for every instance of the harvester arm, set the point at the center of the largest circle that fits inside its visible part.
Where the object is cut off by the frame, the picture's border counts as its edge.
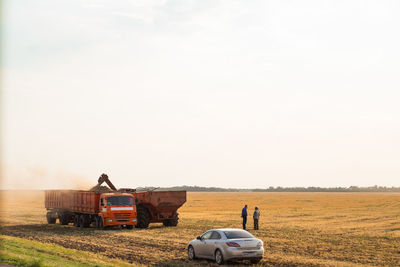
(104, 178)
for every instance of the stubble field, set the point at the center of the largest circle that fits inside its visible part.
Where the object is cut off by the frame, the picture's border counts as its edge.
(298, 229)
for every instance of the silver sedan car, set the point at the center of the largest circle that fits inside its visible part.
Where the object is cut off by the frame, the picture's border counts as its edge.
(226, 244)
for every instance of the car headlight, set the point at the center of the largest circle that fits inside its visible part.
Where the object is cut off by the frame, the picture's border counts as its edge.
(259, 244)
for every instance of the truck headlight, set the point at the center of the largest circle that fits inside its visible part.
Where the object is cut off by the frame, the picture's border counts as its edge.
(133, 220)
(109, 220)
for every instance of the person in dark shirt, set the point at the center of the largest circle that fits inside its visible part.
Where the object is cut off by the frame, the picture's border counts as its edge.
(244, 216)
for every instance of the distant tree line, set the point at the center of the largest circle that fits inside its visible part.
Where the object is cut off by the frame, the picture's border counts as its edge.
(275, 189)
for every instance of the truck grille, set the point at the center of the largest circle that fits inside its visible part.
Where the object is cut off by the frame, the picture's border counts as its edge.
(122, 216)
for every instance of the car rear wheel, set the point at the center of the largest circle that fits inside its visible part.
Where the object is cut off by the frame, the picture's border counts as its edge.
(191, 254)
(255, 261)
(219, 258)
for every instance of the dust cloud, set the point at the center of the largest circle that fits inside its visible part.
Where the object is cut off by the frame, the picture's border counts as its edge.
(39, 178)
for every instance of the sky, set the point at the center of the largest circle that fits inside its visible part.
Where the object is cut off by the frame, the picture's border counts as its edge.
(240, 94)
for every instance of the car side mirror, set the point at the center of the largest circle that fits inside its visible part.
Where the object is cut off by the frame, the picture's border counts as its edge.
(198, 238)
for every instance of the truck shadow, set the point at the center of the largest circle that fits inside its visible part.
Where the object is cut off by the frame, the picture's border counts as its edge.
(52, 229)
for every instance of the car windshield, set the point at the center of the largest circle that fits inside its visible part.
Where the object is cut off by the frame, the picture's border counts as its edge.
(121, 200)
(237, 234)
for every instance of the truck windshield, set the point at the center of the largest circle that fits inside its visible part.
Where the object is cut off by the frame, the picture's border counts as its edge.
(121, 200)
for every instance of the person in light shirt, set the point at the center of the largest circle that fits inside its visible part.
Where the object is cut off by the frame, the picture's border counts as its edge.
(256, 217)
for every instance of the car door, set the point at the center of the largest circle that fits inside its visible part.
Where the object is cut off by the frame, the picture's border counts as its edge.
(201, 248)
(211, 244)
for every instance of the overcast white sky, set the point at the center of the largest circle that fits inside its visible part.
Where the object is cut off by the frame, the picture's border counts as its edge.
(211, 93)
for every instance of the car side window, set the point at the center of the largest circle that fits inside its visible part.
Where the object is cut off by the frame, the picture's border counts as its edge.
(206, 235)
(215, 235)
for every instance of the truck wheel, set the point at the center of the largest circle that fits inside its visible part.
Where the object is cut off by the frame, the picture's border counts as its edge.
(101, 224)
(96, 222)
(76, 220)
(50, 218)
(129, 227)
(81, 221)
(84, 221)
(88, 221)
(143, 217)
(63, 218)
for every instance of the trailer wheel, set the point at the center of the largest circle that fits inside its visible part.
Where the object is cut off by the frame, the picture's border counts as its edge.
(173, 221)
(143, 217)
(76, 220)
(50, 218)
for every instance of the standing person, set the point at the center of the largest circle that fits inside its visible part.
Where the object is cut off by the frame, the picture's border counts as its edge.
(256, 216)
(244, 216)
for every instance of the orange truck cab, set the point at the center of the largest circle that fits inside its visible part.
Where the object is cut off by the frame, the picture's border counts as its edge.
(117, 209)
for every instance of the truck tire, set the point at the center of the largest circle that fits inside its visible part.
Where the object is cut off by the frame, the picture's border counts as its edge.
(143, 217)
(84, 221)
(99, 223)
(63, 218)
(173, 221)
(76, 220)
(88, 220)
(50, 218)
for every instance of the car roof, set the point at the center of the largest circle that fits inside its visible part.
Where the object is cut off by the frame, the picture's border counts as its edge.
(227, 229)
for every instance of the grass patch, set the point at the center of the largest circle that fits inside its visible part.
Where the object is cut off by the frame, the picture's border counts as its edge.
(21, 252)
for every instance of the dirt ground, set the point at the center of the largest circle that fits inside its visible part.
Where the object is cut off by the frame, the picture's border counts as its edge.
(314, 229)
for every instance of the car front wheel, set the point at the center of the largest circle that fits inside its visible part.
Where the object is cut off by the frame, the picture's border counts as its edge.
(219, 258)
(191, 253)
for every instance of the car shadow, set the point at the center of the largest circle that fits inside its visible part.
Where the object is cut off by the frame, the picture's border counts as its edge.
(203, 262)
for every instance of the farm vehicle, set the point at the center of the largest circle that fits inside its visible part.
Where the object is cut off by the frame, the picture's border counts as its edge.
(84, 208)
(106, 206)
(153, 206)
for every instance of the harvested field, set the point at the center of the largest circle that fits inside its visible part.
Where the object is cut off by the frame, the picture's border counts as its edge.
(314, 229)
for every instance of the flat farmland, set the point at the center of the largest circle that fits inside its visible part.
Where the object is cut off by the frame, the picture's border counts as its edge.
(298, 229)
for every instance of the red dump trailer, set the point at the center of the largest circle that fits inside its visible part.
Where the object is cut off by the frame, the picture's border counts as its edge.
(83, 208)
(158, 206)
